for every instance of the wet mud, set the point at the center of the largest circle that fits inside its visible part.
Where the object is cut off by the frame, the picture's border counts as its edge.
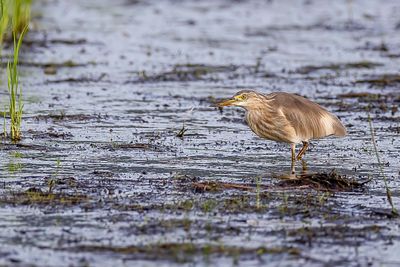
(125, 160)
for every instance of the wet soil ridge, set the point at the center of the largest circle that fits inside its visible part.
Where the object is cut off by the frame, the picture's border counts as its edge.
(339, 67)
(188, 72)
(187, 252)
(35, 196)
(381, 80)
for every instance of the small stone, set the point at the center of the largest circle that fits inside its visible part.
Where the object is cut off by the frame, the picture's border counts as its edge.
(50, 70)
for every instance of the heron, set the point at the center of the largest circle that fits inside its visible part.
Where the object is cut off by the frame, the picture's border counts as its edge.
(286, 117)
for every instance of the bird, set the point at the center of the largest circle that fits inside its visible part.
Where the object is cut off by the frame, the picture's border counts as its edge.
(286, 117)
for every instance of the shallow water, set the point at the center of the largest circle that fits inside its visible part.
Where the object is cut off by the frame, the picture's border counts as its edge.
(100, 134)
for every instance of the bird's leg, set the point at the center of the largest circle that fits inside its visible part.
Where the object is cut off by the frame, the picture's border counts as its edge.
(302, 151)
(293, 148)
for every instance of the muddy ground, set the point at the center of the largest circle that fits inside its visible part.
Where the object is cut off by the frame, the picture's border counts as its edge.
(102, 179)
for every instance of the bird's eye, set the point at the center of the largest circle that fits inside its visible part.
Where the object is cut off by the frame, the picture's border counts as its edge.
(240, 97)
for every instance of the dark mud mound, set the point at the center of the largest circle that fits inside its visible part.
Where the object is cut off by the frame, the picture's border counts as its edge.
(323, 181)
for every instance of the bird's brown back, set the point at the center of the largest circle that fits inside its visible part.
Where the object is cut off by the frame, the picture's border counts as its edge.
(291, 118)
(309, 119)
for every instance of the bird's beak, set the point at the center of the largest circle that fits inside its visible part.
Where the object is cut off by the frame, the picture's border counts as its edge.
(227, 102)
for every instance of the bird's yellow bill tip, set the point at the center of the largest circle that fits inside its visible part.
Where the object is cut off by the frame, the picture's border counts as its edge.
(226, 102)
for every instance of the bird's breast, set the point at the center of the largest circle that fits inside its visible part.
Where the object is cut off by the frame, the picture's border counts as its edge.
(270, 125)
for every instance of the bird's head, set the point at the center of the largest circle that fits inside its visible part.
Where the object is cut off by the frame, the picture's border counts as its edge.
(245, 99)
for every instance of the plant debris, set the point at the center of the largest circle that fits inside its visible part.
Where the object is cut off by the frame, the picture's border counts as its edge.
(181, 132)
(324, 181)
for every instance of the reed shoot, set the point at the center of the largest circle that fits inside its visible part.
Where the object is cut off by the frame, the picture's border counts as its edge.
(388, 192)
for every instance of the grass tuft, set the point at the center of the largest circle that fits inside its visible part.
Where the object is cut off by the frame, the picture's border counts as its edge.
(4, 20)
(14, 18)
(15, 92)
(21, 14)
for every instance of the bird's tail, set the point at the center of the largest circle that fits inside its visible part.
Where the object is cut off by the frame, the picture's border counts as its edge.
(339, 128)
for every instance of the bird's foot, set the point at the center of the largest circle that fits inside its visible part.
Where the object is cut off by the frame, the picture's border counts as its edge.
(288, 176)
